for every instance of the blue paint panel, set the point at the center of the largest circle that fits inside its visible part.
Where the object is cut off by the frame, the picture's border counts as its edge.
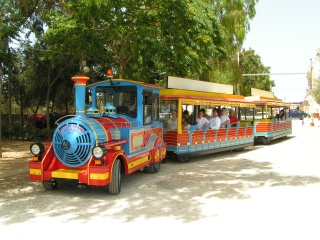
(182, 149)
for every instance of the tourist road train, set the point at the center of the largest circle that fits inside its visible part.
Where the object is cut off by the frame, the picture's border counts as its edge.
(121, 126)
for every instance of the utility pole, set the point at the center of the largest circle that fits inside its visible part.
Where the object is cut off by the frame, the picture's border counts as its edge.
(238, 84)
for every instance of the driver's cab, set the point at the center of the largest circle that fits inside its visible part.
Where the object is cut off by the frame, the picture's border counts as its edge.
(135, 101)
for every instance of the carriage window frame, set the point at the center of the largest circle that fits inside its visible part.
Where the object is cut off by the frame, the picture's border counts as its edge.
(156, 106)
(166, 107)
(147, 107)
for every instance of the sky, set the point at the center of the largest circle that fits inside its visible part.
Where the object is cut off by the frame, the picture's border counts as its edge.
(286, 35)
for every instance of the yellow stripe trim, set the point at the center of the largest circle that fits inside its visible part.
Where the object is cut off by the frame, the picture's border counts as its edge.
(67, 173)
(138, 162)
(34, 171)
(99, 176)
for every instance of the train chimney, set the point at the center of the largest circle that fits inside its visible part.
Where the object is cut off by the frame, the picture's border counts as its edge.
(80, 83)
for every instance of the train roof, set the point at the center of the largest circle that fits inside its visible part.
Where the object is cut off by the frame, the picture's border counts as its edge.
(189, 96)
(261, 100)
(263, 97)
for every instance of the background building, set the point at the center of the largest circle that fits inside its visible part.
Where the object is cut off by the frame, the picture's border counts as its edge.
(313, 75)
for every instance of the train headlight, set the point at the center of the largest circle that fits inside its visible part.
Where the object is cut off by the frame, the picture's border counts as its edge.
(99, 151)
(37, 149)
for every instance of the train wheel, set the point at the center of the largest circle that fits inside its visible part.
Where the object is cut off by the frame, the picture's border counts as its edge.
(265, 141)
(153, 168)
(49, 185)
(239, 149)
(184, 159)
(115, 185)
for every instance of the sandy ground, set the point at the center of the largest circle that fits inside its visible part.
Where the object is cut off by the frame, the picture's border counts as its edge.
(264, 192)
(15, 156)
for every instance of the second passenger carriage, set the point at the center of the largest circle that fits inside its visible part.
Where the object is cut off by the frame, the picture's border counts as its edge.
(270, 120)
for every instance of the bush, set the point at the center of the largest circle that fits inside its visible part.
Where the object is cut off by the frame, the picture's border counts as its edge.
(27, 132)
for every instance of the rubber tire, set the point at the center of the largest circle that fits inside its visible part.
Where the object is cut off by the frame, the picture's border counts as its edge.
(49, 185)
(265, 141)
(237, 150)
(184, 159)
(153, 168)
(115, 185)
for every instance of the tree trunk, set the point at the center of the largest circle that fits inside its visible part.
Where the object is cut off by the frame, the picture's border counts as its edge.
(9, 100)
(48, 98)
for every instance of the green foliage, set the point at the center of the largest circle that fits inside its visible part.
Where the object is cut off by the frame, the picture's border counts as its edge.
(140, 40)
(29, 133)
(235, 16)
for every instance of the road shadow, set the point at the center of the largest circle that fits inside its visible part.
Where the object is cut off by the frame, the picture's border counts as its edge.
(178, 191)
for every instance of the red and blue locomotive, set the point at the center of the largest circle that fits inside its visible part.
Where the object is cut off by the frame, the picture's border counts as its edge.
(116, 132)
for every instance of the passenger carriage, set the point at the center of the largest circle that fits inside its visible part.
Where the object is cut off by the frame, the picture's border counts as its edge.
(192, 95)
(267, 125)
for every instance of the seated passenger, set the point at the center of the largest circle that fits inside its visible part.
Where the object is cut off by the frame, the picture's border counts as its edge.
(233, 119)
(281, 116)
(147, 116)
(122, 110)
(173, 122)
(148, 119)
(201, 120)
(133, 108)
(215, 121)
(186, 121)
(224, 118)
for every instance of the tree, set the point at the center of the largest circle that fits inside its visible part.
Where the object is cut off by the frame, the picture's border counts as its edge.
(250, 62)
(142, 38)
(234, 16)
(19, 19)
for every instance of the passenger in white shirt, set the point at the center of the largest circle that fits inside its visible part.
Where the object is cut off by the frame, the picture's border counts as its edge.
(215, 122)
(173, 122)
(201, 120)
(224, 118)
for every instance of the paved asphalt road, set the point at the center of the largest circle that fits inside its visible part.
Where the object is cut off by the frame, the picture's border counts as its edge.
(264, 192)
